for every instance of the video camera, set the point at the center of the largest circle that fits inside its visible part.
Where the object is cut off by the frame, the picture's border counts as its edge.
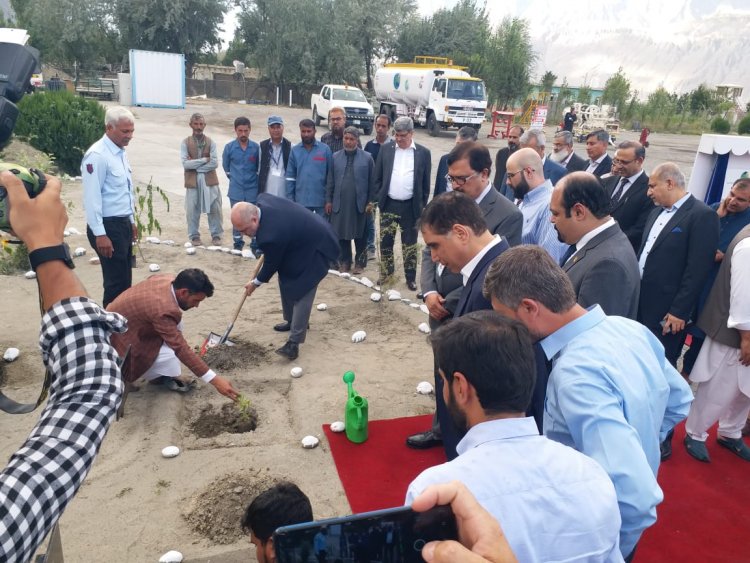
(17, 64)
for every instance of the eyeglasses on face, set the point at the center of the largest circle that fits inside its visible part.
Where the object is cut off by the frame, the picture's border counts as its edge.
(459, 180)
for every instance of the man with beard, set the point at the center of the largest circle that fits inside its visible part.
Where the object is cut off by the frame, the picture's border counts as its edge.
(563, 153)
(199, 159)
(533, 193)
(307, 171)
(535, 139)
(501, 159)
(154, 309)
(611, 393)
(335, 137)
(274, 157)
(487, 365)
(240, 161)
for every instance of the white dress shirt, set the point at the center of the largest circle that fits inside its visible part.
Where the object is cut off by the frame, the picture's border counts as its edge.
(467, 270)
(402, 177)
(594, 164)
(591, 234)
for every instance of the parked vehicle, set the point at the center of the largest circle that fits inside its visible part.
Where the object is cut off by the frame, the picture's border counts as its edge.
(359, 112)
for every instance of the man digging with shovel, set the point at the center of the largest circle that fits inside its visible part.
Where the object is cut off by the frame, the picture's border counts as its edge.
(154, 311)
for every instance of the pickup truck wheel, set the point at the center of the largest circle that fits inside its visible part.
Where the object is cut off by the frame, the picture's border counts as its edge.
(432, 125)
(316, 117)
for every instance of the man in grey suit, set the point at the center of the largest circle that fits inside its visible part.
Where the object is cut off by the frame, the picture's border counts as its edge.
(469, 169)
(535, 139)
(563, 153)
(401, 188)
(600, 262)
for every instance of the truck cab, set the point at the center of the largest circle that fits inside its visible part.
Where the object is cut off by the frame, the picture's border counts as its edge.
(359, 112)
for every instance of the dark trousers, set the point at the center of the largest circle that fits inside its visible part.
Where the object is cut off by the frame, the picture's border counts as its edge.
(398, 215)
(237, 237)
(117, 275)
(360, 249)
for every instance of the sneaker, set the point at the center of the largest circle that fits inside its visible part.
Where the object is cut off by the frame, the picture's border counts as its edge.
(216, 241)
(196, 242)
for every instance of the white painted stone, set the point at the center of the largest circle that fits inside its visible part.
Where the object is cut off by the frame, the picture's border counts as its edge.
(425, 388)
(168, 242)
(190, 250)
(359, 336)
(296, 372)
(80, 251)
(11, 354)
(153, 240)
(171, 557)
(235, 252)
(424, 309)
(367, 282)
(393, 295)
(338, 426)
(322, 307)
(345, 275)
(154, 267)
(414, 305)
(30, 275)
(424, 327)
(188, 245)
(74, 231)
(170, 451)
(66, 233)
(354, 279)
(247, 253)
(95, 260)
(375, 296)
(310, 442)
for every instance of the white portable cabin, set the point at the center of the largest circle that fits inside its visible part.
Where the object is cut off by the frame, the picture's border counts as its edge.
(720, 160)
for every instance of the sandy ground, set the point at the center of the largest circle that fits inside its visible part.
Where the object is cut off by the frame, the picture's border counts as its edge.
(134, 504)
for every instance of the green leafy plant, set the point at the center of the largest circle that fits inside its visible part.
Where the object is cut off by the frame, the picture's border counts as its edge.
(14, 258)
(144, 205)
(60, 124)
(243, 406)
(389, 226)
(720, 125)
(743, 127)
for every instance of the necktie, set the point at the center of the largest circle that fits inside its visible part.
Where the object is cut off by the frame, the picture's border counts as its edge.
(620, 188)
(568, 253)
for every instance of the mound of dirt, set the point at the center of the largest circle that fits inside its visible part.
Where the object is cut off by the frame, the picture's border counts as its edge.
(242, 354)
(216, 512)
(229, 418)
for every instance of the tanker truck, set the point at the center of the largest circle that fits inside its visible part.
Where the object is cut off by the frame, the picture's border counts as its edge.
(435, 93)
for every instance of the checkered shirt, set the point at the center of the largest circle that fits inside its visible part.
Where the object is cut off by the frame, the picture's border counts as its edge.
(86, 391)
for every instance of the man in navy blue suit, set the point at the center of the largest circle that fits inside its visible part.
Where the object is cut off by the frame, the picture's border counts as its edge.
(298, 245)
(454, 229)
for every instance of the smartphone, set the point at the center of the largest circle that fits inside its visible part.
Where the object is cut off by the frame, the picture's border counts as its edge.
(394, 535)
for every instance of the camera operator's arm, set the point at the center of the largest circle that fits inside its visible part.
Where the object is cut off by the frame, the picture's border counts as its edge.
(482, 539)
(86, 389)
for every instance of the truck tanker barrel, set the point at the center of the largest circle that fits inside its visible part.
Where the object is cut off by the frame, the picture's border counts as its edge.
(436, 96)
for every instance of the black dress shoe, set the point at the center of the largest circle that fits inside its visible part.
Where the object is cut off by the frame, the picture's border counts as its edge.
(283, 327)
(666, 446)
(423, 440)
(290, 350)
(411, 285)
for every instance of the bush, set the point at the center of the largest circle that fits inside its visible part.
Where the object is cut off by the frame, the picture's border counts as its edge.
(743, 127)
(61, 124)
(720, 125)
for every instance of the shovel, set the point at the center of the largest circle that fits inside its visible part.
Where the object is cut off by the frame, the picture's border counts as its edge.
(214, 339)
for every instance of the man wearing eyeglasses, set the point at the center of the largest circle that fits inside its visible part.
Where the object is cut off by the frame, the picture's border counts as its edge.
(469, 166)
(401, 188)
(627, 188)
(533, 194)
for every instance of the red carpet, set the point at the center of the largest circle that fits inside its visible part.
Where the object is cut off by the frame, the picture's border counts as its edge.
(705, 516)
(376, 473)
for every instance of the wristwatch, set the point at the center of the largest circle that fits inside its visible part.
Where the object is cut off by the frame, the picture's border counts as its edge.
(50, 253)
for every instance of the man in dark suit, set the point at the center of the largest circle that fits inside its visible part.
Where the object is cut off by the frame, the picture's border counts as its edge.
(470, 165)
(464, 135)
(675, 257)
(274, 156)
(599, 162)
(535, 139)
(626, 188)
(501, 159)
(563, 153)
(401, 187)
(297, 244)
(455, 232)
(600, 263)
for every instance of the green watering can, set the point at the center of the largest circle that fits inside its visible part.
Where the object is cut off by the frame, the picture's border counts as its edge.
(355, 415)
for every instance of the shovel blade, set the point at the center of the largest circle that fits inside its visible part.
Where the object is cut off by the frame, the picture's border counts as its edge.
(211, 341)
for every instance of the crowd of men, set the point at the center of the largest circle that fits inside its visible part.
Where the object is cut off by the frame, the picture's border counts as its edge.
(561, 294)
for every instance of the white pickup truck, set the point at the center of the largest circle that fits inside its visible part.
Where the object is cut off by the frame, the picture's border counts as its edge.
(359, 112)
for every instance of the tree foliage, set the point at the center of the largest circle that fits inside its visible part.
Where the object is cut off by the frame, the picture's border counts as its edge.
(616, 90)
(548, 81)
(512, 60)
(584, 94)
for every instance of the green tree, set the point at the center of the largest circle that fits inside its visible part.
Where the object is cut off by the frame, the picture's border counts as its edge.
(616, 90)
(584, 94)
(69, 32)
(548, 81)
(565, 93)
(190, 27)
(371, 26)
(703, 99)
(512, 60)
(237, 50)
(660, 104)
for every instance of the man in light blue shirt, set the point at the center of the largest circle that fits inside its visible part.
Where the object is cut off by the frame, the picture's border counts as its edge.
(109, 203)
(307, 171)
(611, 393)
(240, 160)
(533, 194)
(555, 504)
